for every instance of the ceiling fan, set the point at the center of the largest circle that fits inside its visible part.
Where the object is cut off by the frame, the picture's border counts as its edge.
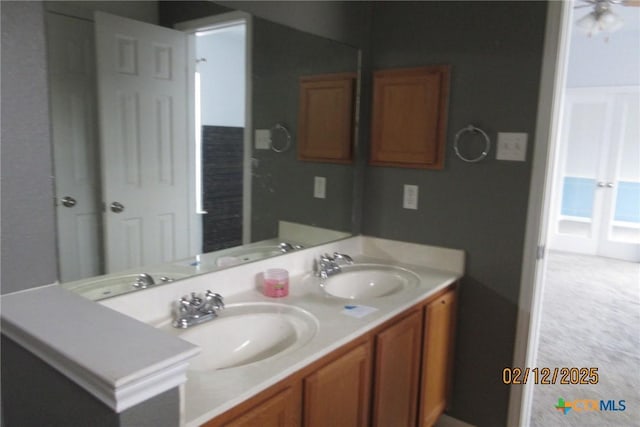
(602, 18)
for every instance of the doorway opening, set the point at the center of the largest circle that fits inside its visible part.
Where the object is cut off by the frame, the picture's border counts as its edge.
(579, 299)
(220, 79)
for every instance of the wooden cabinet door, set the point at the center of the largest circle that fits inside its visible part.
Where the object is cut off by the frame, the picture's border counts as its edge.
(410, 117)
(280, 410)
(338, 393)
(325, 123)
(439, 318)
(397, 372)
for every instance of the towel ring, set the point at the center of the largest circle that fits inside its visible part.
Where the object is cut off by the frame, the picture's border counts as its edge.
(287, 144)
(471, 128)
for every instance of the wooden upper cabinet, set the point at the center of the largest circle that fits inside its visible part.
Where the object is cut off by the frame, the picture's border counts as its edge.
(410, 117)
(325, 122)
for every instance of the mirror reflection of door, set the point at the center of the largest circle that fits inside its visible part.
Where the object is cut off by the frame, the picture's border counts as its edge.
(148, 175)
(598, 210)
(75, 146)
(142, 98)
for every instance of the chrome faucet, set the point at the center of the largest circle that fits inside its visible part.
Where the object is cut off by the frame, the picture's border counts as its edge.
(197, 309)
(288, 247)
(328, 265)
(143, 281)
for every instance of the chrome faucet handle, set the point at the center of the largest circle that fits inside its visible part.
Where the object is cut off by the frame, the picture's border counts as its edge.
(285, 247)
(337, 256)
(143, 281)
(326, 258)
(214, 299)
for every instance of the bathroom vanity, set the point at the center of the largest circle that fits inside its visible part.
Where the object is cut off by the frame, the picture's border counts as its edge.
(393, 374)
(368, 345)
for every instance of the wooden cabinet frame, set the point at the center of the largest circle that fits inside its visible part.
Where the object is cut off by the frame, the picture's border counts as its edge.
(409, 122)
(325, 120)
(410, 337)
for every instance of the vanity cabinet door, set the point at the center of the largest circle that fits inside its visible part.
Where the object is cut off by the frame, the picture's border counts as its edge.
(439, 319)
(283, 409)
(338, 393)
(397, 372)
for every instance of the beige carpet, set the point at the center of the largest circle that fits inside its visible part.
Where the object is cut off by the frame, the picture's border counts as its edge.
(591, 318)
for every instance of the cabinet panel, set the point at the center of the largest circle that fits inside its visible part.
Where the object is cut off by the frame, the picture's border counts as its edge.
(338, 393)
(410, 117)
(397, 373)
(325, 119)
(436, 364)
(282, 409)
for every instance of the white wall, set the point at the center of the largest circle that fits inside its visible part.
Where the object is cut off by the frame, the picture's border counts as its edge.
(222, 76)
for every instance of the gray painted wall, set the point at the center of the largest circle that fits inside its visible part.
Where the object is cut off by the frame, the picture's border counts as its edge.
(283, 185)
(28, 225)
(495, 50)
(37, 395)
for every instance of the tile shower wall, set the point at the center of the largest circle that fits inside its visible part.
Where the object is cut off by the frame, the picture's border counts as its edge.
(222, 154)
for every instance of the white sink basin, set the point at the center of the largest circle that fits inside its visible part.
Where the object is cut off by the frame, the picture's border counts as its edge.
(363, 281)
(116, 284)
(249, 254)
(248, 333)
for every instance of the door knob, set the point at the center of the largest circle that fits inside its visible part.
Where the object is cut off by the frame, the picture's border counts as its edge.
(68, 202)
(116, 207)
(603, 184)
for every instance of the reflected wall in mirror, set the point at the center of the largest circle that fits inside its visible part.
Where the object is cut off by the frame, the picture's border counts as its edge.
(242, 198)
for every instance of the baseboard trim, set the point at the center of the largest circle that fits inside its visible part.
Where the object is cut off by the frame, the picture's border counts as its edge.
(448, 421)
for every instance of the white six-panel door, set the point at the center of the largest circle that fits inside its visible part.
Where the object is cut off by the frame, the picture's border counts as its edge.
(142, 91)
(75, 146)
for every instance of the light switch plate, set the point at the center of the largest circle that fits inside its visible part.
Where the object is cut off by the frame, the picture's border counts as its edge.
(320, 187)
(512, 146)
(263, 139)
(410, 197)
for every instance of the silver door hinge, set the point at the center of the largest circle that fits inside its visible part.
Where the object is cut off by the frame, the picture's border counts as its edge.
(540, 252)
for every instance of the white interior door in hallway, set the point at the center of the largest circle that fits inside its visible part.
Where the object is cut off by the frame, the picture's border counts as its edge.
(142, 88)
(596, 207)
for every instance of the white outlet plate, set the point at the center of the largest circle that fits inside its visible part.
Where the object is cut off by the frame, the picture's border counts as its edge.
(512, 146)
(410, 197)
(320, 187)
(263, 139)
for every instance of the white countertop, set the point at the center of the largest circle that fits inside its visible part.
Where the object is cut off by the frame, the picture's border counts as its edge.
(208, 394)
(119, 360)
(113, 351)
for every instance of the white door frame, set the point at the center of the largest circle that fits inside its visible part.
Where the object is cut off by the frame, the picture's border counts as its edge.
(217, 21)
(552, 83)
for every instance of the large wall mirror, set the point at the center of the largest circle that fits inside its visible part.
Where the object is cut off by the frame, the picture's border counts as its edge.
(175, 146)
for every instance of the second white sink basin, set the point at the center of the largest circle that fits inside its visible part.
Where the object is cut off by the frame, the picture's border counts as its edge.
(363, 281)
(116, 284)
(248, 333)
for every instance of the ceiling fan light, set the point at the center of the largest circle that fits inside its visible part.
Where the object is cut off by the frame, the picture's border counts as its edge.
(589, 23)
(609, 21)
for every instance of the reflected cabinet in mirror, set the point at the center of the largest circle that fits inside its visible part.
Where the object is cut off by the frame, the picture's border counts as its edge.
(175, 146)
